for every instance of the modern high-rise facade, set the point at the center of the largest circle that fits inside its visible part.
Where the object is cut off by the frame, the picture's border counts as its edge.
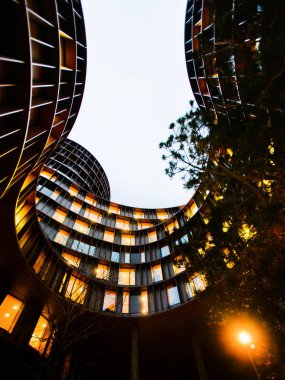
(64, 242)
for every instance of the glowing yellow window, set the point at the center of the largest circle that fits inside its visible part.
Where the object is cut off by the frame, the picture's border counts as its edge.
(81, 226)
(46, 174)
(199, 283)
(40, 335)
(172, 226)
(138, 214)
(93, 215)
(156, 273)
(152, 236)
(109, 236)
(61, 237)
(126, 302)
(89, 199)
(144, 302)
(191, 210)
(55, 194)
(39, 262)
(76, 290)
(10, 311)
(161, 214)
(143, 225)
(75, 207)
(73, 191)
(178, 265)
(102, 271)
(110, 300)
(59, 215)
(122, 224)
(128, 239)
(71, 259)
(114, 209)
(127, 276)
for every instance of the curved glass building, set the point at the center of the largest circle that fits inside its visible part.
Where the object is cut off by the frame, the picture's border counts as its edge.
(64, 242)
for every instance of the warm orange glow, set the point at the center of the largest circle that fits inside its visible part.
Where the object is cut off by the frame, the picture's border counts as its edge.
(93, 215)
(71, 259)
(161, 214)
(40, 335)
(152, 236)
(10, 311)
(109, 236)
(73, 191)
(244, 337)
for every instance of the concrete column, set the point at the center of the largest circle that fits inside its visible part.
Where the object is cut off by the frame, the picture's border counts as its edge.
(135, 353)
(199, 359)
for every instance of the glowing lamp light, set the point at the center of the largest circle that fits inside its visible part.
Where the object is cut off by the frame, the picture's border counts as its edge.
(44, 325)
(244, 337)
(252, 346)
(7, 315)
(15, 307)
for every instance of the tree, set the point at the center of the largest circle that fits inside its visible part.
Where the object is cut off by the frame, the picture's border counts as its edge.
(239, 239)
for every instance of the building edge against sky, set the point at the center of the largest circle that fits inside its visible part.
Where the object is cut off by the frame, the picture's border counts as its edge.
(110, 260)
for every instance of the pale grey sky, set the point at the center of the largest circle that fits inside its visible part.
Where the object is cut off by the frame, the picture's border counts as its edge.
(136, 86)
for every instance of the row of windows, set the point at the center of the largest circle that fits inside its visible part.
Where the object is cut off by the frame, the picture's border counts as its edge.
(62, 237)
(108, 235)
(90, 199)
(130, 303)
(126, 276)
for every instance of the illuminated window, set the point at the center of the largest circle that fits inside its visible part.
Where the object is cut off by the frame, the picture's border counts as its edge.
(161, 214)
(114, 209)
(73, 191)
(109, 236)
(143, 257)
(71, 259)
(184, 239)
(171, 227)
(89, 199)
(59, 215)
(122, 224)
(138, 214)
(199, 283)
(128, 239)
(190, 289)
(143, 225)
(156, 273)
(55, 194)
(127, 276)
(39, 262)
(93, 215)
(191, 210)
(61, 237)
(165, 251)
(115, 257)
(172, 295)
(144, 302)
(75, 207)
(46, 174)
(126, 302)
(76, 290)
(109, 301)
(40, 335)
(81, 226)
(152, 236)
(102, 271)
(10, 311)
(178, 265)
(127, 258)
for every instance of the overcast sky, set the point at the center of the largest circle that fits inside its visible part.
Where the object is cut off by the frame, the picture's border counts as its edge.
(136, 86)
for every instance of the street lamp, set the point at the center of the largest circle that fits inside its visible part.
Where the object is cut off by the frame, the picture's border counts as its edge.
(245, 339)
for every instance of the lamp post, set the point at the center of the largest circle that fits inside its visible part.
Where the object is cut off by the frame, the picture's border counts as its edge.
(245, 339)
